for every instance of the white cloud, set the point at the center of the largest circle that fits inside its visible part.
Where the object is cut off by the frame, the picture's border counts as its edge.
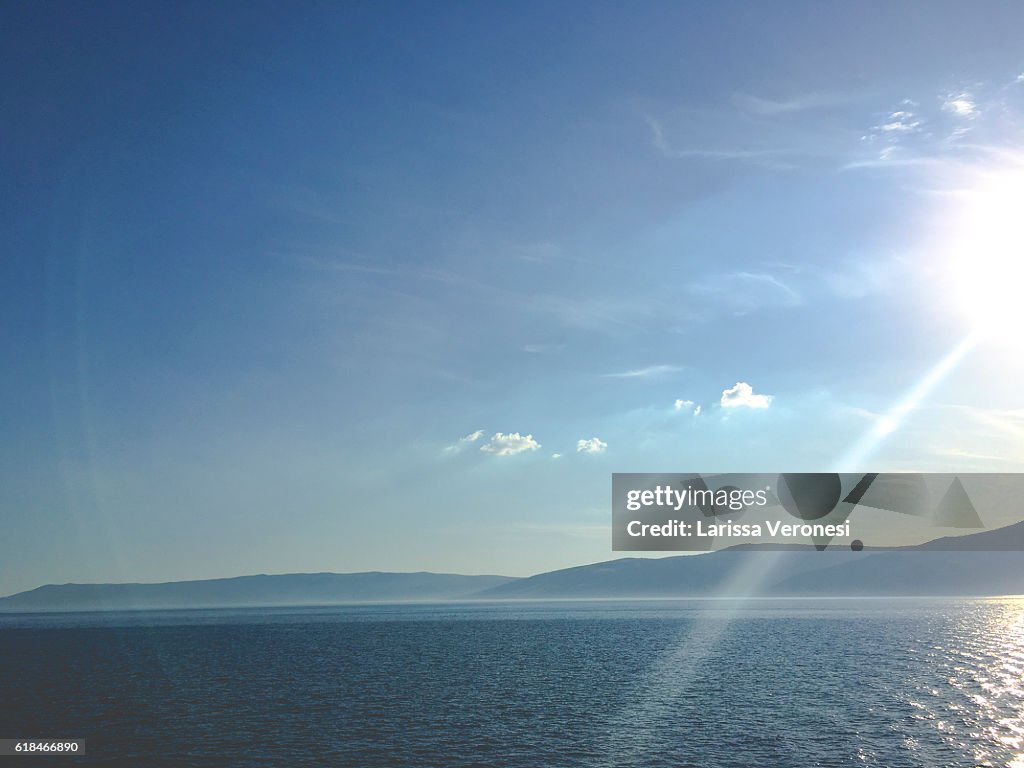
(462, 442)
(502, 444)
(742, 396)
(643, 373)
(687, 406)
(556, 455)
(593, 445)
(1020, 78)
(961, 105)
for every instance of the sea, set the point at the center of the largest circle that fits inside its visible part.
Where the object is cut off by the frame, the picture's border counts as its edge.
(774, 683)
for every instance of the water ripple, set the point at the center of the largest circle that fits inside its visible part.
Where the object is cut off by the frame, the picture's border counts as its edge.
(794, 683)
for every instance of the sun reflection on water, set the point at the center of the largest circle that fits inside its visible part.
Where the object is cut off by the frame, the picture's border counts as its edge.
(992, 654)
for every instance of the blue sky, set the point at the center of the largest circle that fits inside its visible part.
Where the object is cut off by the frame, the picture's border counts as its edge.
(384, 286)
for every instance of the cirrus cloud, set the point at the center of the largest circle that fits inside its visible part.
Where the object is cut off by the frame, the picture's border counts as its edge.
(643, 373)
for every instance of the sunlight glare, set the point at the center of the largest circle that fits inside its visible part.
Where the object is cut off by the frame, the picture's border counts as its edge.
(985, 249)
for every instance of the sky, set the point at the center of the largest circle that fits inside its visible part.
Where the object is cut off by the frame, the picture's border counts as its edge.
(397, 286)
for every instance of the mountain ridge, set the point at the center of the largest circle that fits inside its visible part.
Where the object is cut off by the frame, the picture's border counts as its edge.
(257, 590)
(984, 563)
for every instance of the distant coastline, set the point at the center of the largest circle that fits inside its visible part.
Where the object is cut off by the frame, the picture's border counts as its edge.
(963, 566)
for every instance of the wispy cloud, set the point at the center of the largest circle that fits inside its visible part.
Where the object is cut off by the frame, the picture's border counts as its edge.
(901, 121)
(509, 444)
(773, 133)
(889, 159)
(888, 136)
(335, 264)
(644, 373)
(593, 445)
(742, 396)
(613, 315)
(785, 132)
(712, 153)
(462, 442)
(960, 104)
(744, 291)
(601, 314)
(769, 107)
(931, 133)
(970, 438)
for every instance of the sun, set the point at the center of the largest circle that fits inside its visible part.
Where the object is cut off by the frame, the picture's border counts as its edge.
(984, 249)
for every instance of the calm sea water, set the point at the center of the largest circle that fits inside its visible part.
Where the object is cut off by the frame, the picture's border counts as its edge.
(715, 683)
